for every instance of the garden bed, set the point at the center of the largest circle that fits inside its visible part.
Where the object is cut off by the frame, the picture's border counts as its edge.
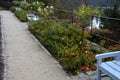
(62, 40)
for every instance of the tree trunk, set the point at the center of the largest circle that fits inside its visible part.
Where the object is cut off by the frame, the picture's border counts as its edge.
(82, 39)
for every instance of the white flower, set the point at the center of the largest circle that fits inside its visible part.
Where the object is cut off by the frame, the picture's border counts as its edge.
(83, 11)
(43, 4)
(45, 9)
(33, 3)
(37, 2)
(47, 6)
(51, 7)
(63, 38)
(39, 9)
(86, 51)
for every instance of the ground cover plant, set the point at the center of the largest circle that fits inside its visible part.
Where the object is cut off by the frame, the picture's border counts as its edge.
(13, 9)
(62, 40)
(21, 15)
(20, 10)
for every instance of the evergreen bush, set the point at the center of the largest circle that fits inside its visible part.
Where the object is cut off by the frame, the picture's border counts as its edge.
(62, 40)
(21, 15)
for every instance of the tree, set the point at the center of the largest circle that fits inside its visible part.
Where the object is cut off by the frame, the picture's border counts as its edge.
(84, 14)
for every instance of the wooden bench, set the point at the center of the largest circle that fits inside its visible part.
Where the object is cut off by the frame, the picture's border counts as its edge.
(110, 68)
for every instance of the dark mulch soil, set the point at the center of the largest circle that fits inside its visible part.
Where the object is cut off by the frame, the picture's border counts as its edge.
(1, 57)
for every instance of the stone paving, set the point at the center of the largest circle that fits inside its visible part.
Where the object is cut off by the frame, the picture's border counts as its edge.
(26, 59)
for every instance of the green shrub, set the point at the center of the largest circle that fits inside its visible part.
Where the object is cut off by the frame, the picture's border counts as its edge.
(16, 3)
(21, 15)
(35, 5)
(45, 12)
(13, 9)
(24, 5)
(84, 14)
(62, 40)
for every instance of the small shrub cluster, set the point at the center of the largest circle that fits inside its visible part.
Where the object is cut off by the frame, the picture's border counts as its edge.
(37, 8)
(13, 9)
(36, 5)
(24, 5)
(46, 11)
(62, 40)
(20, 10)
(21, 15)
(16, 3)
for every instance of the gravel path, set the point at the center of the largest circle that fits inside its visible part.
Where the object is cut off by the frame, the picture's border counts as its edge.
(25, 59)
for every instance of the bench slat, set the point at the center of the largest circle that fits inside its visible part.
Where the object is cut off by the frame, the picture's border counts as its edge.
(110, 71)
(114, 65)
(117, 62)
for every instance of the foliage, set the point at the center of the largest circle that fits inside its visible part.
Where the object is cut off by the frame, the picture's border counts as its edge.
(84, 14)
(24, 5)
(36, 5)
(46, 12)
(62, 40)
(13, 9)
(31, 1)
(21, 15)
(16, 3)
